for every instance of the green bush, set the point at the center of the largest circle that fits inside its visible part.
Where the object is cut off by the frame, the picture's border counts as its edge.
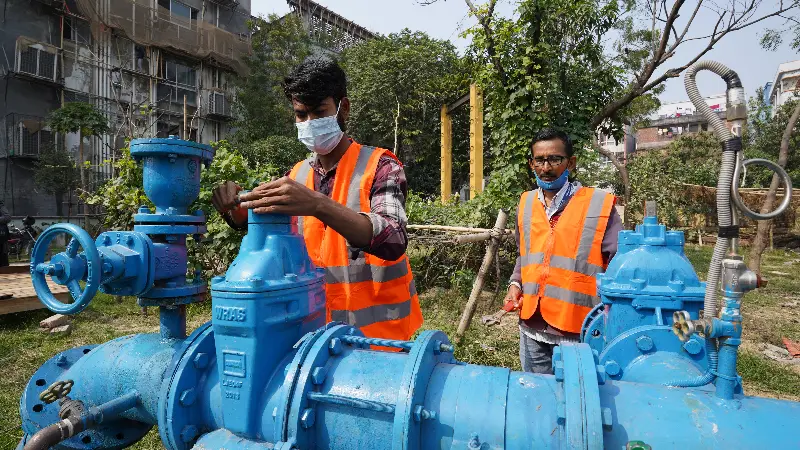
(437, 261)
(280, 152)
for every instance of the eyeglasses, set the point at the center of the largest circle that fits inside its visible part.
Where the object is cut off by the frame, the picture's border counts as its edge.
(554, 161)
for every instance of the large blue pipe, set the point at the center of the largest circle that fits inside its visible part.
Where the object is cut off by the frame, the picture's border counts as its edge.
(268, 373)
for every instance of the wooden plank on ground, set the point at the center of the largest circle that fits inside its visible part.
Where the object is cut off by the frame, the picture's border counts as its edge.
(24, 296)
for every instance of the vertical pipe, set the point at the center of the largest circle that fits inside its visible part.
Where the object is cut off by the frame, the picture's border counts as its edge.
(475, 141)
(185, 137)
(173, 321)
(726, 369)
(447, 155)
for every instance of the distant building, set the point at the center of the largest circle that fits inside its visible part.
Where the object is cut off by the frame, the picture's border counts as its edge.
(786, 84)
(673, 120)
(619, 148)
(142, 63)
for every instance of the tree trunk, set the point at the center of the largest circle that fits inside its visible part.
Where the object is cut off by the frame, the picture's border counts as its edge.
(623, 173)
(469, 309)
(761, 240)
(80, 161)
(83, 174)
(59, 203)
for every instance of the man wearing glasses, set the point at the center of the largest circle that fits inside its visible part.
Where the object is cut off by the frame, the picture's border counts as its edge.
(566, 234)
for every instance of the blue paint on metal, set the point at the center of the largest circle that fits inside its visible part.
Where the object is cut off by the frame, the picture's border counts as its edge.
(648, 279)
(267, 372)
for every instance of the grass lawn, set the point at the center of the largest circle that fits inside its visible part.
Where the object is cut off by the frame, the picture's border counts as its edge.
(23, 348)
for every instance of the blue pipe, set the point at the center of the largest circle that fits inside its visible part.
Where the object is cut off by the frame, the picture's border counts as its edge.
(705, 378)
(268, 373)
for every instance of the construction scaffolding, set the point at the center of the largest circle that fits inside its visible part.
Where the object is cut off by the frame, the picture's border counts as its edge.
(158, 26)
(330, 29)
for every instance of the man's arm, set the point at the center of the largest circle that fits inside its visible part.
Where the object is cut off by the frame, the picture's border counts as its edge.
(287, 196)
(611, 238)
(387, 211)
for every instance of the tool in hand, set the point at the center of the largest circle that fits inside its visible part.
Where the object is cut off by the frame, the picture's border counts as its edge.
(494, 319)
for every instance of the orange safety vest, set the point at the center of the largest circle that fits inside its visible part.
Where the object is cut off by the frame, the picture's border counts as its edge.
(373, 294)
(559, 263)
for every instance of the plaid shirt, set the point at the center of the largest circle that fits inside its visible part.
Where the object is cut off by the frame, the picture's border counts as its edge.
(387, 206)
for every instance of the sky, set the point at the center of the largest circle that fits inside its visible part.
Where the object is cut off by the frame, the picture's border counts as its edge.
(447, 19)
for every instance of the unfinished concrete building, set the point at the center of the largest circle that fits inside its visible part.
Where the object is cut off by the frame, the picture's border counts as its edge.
(154, 67)
(334, 32)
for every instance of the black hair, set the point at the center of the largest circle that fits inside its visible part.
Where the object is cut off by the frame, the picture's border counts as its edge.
(549, 134)
(315, 79)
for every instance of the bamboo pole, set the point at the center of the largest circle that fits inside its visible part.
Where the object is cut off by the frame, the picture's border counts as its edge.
(469, 310)
(184, 119)
(468, 238)
(453, 229)
(446, 156)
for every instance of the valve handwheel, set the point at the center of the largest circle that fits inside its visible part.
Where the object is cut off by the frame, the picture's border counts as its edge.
(67, 268)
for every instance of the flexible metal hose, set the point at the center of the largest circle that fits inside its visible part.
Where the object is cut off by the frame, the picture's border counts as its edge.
(724, 210)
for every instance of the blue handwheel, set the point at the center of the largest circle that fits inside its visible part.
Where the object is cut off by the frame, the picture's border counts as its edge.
(67, 268)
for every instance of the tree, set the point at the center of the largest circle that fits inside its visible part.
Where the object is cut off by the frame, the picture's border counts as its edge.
(519, 52)
(81, 118)
(782, 132)
(279, 44)
(280, 152)
(543, 68)
(662, 175)
(55, 173)
(397, 86)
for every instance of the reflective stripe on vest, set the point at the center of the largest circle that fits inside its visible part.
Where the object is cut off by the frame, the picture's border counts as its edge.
(373, 314)
(358, 271)
(354, 189)
(581, 263)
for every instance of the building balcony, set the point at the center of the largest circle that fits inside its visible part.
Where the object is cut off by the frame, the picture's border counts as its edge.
(28, 136)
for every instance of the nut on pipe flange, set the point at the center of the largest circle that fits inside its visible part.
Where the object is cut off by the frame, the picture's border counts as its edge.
(644, 343)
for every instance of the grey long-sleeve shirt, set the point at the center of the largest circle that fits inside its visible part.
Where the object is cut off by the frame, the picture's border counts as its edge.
(536, 326)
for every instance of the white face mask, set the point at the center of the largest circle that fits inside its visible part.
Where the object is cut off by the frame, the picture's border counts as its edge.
(321, 135)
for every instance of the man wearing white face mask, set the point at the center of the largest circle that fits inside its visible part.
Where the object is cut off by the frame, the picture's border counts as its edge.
(350, 203)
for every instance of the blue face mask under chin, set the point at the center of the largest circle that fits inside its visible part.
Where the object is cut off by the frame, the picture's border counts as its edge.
(554, 185)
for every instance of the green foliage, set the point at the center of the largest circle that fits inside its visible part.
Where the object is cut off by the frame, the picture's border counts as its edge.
(221, 244)
(280, 152)
(762, 139)
(593, 169)
(773, 39)
(397, 86)
(660, 175)
(554, 75)
(56, 172)
(279, 44)
(122, 195)
(438, 263)
(78, 117)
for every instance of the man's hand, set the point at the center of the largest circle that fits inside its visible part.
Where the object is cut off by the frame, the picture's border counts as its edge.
(283, 196)
(224, 196)
(514, 295)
